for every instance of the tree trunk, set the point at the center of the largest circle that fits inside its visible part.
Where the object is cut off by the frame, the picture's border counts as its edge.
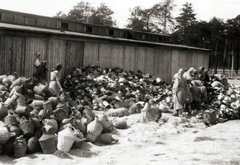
(237, 58)
(215, 55)
(232, 53)
(224, 57)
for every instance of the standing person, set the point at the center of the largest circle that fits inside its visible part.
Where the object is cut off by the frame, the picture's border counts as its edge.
(190, 74)
(41, 73)
(181, 92)
(54, 84)
(201, 73)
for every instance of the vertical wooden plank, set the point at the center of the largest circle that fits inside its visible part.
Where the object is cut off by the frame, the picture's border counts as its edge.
(56, 54)
(87, 53)
(200, 59)
(174, 64)
(161, 63)
(62, 55)
(167, 58)
(205, 56)
(79, 54)
(91, 53)
(189, 59)
(148, 60)
(139, 59)
(181, 59)
(197, 59)
(1, 52)
(68, 55)
(105, 56)
(8, 55)
(128, 63)
(117, 55)
(74, 55)
(18, 55)
(156, 63)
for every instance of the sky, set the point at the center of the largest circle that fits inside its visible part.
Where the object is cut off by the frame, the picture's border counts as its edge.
(204, 9)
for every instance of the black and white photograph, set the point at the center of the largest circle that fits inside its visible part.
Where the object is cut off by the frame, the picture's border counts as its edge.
(119, 82)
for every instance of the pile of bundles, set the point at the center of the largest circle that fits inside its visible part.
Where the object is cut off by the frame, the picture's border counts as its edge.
(33, 120)
(106, 89)
(222, 101)
(227, 103)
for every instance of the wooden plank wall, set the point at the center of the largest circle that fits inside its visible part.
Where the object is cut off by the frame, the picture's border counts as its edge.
(139, 59)
(18, 53)
(33, 45)
(159, 62)
(117, 55)
(175, 62)
(167, 66)
(128, 58)
(149, 60)
(56, 53)
(6, 51)
(105, 56)
(90, 53)
(19, 45)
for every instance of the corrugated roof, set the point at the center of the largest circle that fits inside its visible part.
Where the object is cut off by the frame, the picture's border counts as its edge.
(69, 33)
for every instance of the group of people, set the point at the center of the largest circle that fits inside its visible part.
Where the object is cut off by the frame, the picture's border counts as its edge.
(40, 76)
(189, 87)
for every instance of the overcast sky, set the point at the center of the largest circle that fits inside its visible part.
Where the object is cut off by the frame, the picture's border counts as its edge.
(205, 9)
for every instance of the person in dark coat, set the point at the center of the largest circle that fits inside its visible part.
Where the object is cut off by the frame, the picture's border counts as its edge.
(40, 75)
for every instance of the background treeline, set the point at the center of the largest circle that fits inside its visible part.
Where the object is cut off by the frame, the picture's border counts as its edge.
(222, 37)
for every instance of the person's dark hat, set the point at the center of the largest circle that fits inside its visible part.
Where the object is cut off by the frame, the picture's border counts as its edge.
(201, 68)
(58, 66)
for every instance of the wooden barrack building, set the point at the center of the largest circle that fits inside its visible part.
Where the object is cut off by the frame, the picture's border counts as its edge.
(76, 44)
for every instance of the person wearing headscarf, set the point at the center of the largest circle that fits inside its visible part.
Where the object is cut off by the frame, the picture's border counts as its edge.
(189, 74)
(54, 84)
(180, 92)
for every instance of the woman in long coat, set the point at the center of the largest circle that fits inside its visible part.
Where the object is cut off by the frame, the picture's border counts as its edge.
(181, 92)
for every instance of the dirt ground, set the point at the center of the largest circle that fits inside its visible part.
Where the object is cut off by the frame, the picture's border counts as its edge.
(172, 141)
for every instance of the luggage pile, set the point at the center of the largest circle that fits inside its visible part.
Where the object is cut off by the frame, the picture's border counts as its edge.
(227, 103)
(222, 102)
(115, 88)
(33, 120)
